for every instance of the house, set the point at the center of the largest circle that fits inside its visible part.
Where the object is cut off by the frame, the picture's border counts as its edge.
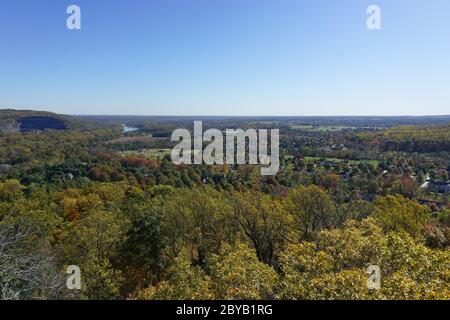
(439, 186)
(425, 185)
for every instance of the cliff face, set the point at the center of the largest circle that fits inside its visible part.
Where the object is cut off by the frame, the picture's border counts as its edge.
(40, 123)
(26, 120)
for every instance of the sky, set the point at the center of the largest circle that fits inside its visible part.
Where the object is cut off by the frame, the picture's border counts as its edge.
(226, 57)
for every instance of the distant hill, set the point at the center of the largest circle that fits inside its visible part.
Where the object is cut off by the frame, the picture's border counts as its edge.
(28, 120)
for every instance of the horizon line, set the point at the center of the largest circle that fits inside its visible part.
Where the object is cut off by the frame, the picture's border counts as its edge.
(257, 116)
(231, 116)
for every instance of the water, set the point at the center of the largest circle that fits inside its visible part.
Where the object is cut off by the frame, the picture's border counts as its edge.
(128, 129)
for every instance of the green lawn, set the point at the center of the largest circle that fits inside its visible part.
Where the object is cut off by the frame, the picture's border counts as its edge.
(149, 153)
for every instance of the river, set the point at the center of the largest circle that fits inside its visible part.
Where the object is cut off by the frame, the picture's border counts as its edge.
(128, 129)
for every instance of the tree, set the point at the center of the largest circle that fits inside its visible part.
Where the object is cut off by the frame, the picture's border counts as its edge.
(263, 221)
(406, 187)
(312, 209)
(27, 270)
(238, 274)
(93, 244)
(413, 271)
(11, 190)
(396, 213)
(335, 266)
(184, 282)
(145, 241)
(197, 220)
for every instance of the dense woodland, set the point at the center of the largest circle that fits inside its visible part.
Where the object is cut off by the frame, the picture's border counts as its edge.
(350, 193)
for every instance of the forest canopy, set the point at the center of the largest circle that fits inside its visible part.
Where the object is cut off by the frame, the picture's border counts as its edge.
(140, 227)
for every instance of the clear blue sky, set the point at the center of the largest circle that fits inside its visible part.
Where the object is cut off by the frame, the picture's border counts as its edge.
(226, 57)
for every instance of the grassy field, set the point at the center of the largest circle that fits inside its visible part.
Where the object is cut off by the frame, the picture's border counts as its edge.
(134, 139)
(149, 153)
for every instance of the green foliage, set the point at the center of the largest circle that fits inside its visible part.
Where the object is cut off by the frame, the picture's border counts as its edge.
(239, 275)
(312, 209)
(335, 266)
(185, 282)
(264, 222)
(197, 220)
(145, 240)
(93, 243)
(147, 229)
(396, 213)
(11, 190)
